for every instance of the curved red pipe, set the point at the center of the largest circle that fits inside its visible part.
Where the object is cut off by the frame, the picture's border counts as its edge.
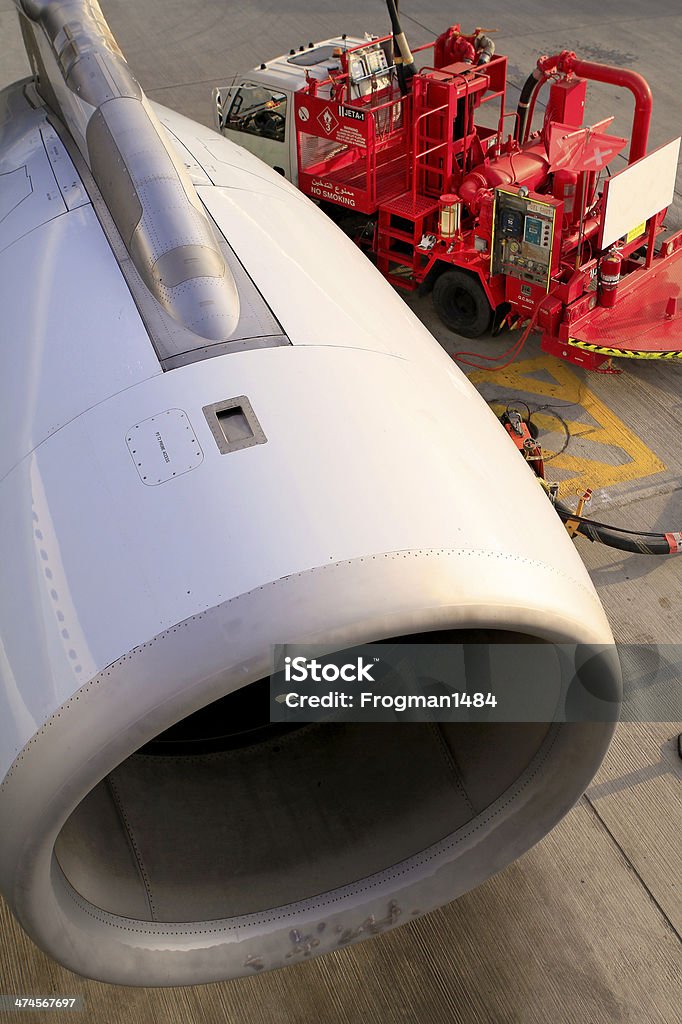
(528, 166)
(632, 80)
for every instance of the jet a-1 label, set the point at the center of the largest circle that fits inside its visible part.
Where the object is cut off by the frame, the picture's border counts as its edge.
(350, 112)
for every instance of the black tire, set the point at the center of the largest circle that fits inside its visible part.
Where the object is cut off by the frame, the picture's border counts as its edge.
(461, 303)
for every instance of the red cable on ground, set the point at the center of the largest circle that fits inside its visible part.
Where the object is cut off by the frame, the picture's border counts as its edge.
(513, 351)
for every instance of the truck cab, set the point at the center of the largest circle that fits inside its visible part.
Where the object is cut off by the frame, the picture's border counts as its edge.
(256, 109)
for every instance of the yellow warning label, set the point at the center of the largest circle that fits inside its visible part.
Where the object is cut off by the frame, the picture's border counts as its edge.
(635, 232)
(601, 451)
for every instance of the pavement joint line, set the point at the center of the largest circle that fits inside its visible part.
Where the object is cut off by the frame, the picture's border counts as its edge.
(596, 24)
(646, 494)
(181, 85)
(631, 865)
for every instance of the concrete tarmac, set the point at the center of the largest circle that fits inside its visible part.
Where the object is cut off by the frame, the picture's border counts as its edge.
(585, 928)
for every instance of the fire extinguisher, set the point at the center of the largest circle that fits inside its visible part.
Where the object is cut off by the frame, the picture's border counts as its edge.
(609, 276)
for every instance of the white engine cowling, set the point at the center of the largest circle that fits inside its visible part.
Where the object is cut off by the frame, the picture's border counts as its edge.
(171, 507)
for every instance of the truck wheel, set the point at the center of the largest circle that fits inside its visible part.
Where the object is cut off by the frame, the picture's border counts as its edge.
(461, 303)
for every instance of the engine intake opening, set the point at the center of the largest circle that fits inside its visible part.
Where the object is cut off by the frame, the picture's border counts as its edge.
(225, 814)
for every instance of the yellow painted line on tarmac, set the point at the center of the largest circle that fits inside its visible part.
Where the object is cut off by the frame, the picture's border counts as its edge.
(567, 389)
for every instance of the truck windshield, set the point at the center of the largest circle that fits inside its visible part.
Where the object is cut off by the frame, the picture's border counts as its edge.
(257, 110)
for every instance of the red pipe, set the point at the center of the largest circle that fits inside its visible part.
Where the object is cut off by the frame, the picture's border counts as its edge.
(527, 166)
(632, 80)
(590, 226)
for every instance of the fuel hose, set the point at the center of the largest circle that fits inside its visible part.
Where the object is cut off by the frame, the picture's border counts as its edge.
(404, 61)
(637, 542)
(526, 104)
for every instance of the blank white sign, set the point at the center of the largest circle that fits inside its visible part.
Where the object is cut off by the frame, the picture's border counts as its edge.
(639, 191)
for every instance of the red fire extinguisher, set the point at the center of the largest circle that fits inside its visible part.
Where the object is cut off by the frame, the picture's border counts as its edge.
(609, 276)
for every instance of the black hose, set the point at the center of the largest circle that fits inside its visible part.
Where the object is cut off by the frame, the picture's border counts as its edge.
(393, 15)
(532, 82)
(403, 59)
(637, 542)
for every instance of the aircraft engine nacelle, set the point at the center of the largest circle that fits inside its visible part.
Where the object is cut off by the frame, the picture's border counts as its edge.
(173, 504)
